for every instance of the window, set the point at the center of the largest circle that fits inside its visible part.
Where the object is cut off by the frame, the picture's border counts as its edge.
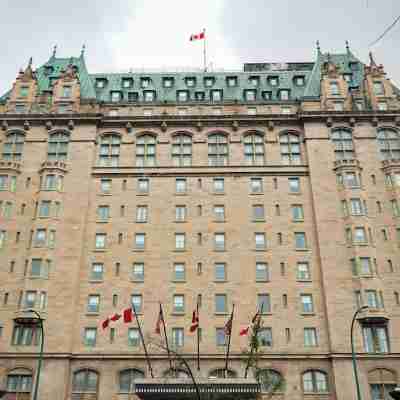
(93, 303)
(294, 185)
(141, 213)
(216, 95)
(44, 208)
(219, 185)
(179, 272)
(179, 303)
(284, 94)
(26, 335)
(58, 146)
(143, 185)
(149, 96)
(105, 185)
(23, 91)
(290, 148)
(231, 81)
(103, 213)
(109, 150)
(258, 212)
(300, 240)
(264, 303)
(271, 381)
(221, 303)
(137, 302)
(254, 80)
(389, 144)
(360, 236)
(146, 151)
(381, 383)
(3, 182)
(310, 337)
(180, 239)
(85, 381)
(217, 150)
(177, 337)
(303, 271)
(373, 300)
(40, 268)
(219, 241)
(182, 95)
(297, 212)
(220, 337)
(250, 94)
(334, 87)
(127, 378)
(254, 149)
(351, 180)
(100, 242)
(190, 82)
(40, 238)
(361, 266)
(138, 272)
(52, 182)
(273, 80)
(34, 299)
(266, 95)
(19, 381)
(382, 106)
(219, 213)
(262, 272)
(180, 185)
(209, 81)
(133, 337)
(343, 143)
(140, 241)
(6, 210)
(182, 150)
(356, 207)
(378, 88)
(13, 147)
(307, 305)
(220, 272)
(199, 96)
(260, 241)
(395, 208)
(3, 238)
(180, 213)
(256, 185)
(96, 272)
(264, 337)
(133, 97)
(90, 337)
(376, 339)
(315, 382)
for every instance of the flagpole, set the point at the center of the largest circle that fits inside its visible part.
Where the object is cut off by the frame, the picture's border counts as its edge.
(198, 336)
(166, 337)
(254, 333)
(143, 343)
(204, 51)
(229, 340)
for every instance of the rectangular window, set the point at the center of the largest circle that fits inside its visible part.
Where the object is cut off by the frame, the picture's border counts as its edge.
(220, 337)
(179, 272)
(149, 95)
(300, 240)
(395, 208)
(334, 88)
(294, 185)
(256, 185)
(219, 241)
(40, 268)
(297, 212)
(310, 337)
(179, 303)
(307, 305)
(96, 272)
(284, 94)
(264, 337)
(180, 213)
(180, 185)
(141, 213)
(137, 302)
(216, 95)
(3, 238)
(262, 272)
(40, 238)
(140, 241)
(221, 303)
(138, 272)
(133, 337)
(356, 207)
(260, 241)
(93, 303)
(66, 92)
(258, 212)
(103, 213)
(351, 180)
(378, 88)
(3, 182)
(360, 236)
(143, 185)
(25, 335)
(365, 266)
(219, 185)
(376, 339)
(373, 300)
(105, 185)
(44, 208)
(180, 239)
(90, 337)
(219, 213)
(264, 303)
(100, 242)
(220, 272)
(177, 337)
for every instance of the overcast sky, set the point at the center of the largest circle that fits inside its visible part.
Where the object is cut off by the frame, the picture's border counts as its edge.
(124, 34)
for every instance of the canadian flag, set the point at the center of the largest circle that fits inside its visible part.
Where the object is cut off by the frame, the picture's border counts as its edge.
(195, 321)
(198, 36)
(127, 314)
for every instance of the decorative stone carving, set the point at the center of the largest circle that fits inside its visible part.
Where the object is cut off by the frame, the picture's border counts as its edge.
(71, 125)
(4, 125)
(164, 126)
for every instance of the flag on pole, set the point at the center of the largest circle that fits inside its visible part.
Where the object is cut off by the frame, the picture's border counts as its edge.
(255, 320)
(244, 331)
(128, 315)
(158, 323)
(195, 321)
(198, 36)
(228, 326)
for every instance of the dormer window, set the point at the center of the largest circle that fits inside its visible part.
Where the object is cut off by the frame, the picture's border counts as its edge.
(250, 94)
(209, 81)
(116, 96)
(254, 80)
(190, 82)
(23, 91)
(266, 95)
(168, 82)
(144, 82)
(231, 81)
(149, 95)
(182, 95)
(100, 83)
(199, 96)
(216, 95)
(273, 80)
(348, 77)
(284, 94)
(133, 97)
(66, 92)
(48, 69)
(378, 88)
(334, 86)
(353, 66)
(127, 83)
(299, 80)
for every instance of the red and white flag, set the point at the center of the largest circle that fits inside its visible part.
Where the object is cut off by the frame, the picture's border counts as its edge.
(195, 321)
(228, 326)
(244, 331)
(254, 321)
(127, 316)
(198, 36)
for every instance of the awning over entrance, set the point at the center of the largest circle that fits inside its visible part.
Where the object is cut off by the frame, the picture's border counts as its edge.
(184, 389)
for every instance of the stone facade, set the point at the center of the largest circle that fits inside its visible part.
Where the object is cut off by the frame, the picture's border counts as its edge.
(316, 177)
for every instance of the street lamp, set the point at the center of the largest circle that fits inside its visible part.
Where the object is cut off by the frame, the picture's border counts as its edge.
(395, 393)
(353, 355)
(35, 321)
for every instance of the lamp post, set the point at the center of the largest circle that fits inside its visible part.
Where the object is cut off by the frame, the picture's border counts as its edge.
(395, 393)
(353, 355)
(37, 321)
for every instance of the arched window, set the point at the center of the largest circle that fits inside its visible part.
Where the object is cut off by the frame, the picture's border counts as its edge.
(182, 150)
(290, 148)
(146, 151)
(389, 144)
(13, 147)
(85, 381)
(315, 381)
(109, 150)
(19, 381)
(127, 380)
(220, 373)
(254, 149)
(381, 382)
(58, 146)
(271, 381)
(343, 141)
(176, 373)
(217, 150)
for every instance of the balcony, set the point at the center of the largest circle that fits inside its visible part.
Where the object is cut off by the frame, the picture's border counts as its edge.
(374, 316)
(345, 163)
(14, 166)
(58, 165)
